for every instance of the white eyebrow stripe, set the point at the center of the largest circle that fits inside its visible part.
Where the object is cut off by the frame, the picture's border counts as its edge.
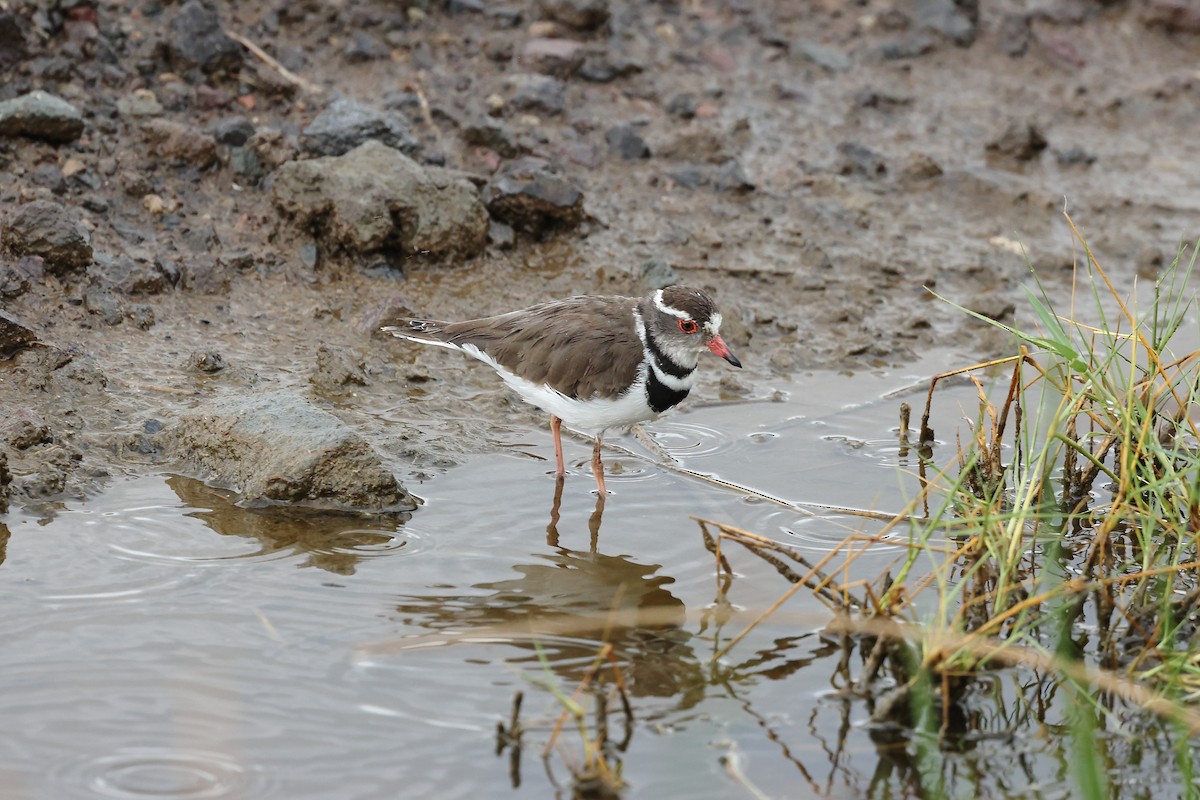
(663, 307)
(714, 323)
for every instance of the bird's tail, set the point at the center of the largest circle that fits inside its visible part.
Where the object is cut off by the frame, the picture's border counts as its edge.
(419, 330)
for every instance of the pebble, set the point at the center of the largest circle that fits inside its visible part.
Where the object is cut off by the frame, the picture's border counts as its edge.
(532, 194)
(829, 58)
(45, 228)
(625, 141)
(584, 15)
(559, 57)
(41, 115)
(180, 143)
(542, 94)
(141, 102)
(197, 40)
(731, 177)
(1021, 141)
(346, 123)
(235, 131)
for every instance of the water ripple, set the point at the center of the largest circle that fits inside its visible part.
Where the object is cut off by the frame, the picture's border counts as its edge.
(139, 773)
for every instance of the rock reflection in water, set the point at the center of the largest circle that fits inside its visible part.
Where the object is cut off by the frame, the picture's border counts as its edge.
(334, 541)
(569, 603)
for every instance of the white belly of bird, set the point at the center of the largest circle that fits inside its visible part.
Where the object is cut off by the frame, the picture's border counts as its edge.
(591, 416)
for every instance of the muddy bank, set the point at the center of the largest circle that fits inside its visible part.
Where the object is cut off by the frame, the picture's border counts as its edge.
(202, 203)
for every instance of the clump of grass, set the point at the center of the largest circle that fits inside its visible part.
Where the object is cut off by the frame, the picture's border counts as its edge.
(1061, 536)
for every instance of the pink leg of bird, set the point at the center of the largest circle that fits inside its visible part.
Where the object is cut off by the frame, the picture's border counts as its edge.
(598, 468)
(556, 428)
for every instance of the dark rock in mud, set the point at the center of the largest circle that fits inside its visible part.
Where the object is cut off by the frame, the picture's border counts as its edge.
(40, 115)
(1020, 141)
(585, 15)
(127, 276)
(532, 194)
(363, 47)
(375, 198)
(14, 335)
(625, 141)
(208, 362)
(346, 123)
(180, 143)
(14, 282)
(233, 131)
(198, 41)
(559, 57)
(104, 305)
(277, 447)
(486, 132)
(541, 94)
(46, 229)
(919, 167)
(607, 67)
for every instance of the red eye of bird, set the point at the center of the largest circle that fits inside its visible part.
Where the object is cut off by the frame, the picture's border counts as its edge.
(688, 326)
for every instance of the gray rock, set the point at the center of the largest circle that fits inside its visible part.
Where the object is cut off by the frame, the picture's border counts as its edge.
(15, 335)
(363, 47)
(689, 176)
(208, 362)
(103, 304)
(585, 15)
(276, 447)
(198, 40)
(657, 273)
(957, 20)
(139, 103)
(559, 57)
(346, 123)
(731, 177)
(856, 159)
(487, 132)
(532, 194)
(40, 115)
(625, 141)
(44, 228)
(375, 198)
(541, 94)
(825, 56)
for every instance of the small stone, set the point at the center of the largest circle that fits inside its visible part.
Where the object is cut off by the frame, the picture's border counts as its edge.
(955, 19)
(1075, 156)
(532, 194)
(206, 361)
(104, 305)
(234, 131)
(139, 103)
(919, 167)
(825, 56)
(363, 47)
(584, 15)
(346, 123)
(683, 105)
(501, 235)
(180, 143)
(154, 204)
(541, 94)
(45, 228)
(142, 316)
(689, 176)
(1021, 141)
(559, 57)
(336, 371)
(51, 177)
(731, 177)
(624, 140)
(657, 273)
(40, 115)
(310, 255)
(859, 160)
(198, 40)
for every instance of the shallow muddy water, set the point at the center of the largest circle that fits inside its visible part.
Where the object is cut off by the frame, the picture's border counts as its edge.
(165, 643)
